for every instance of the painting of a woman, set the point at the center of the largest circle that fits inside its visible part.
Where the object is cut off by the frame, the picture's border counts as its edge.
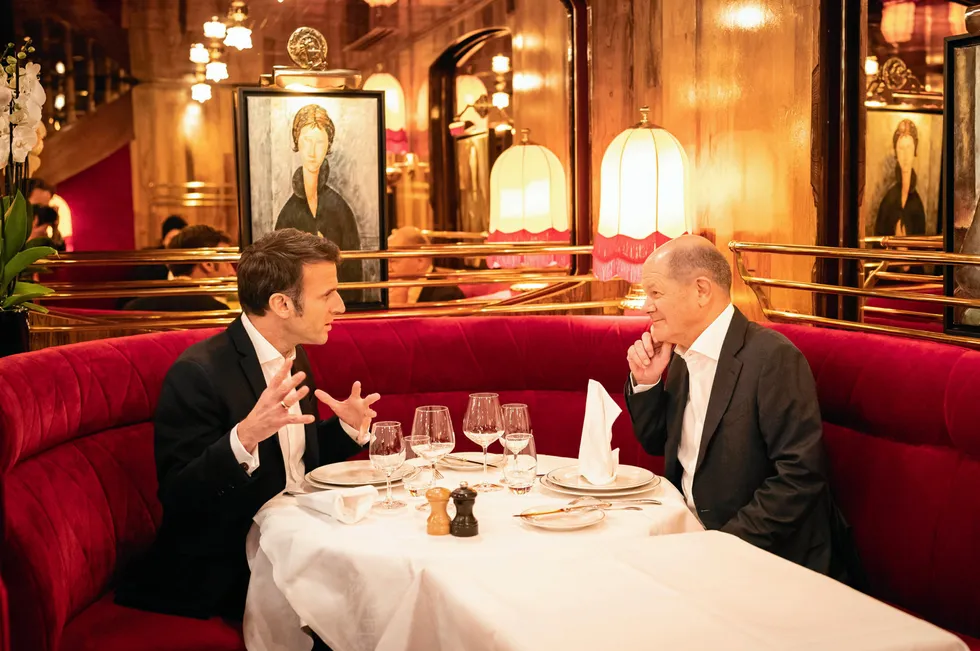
(314, 206)
(901, 211)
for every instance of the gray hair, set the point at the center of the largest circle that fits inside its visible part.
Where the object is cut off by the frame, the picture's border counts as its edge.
(690, 262)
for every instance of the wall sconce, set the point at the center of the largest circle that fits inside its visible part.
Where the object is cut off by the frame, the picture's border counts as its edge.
(644, 203)
(469, 91)
(396, 140)
(528, 203)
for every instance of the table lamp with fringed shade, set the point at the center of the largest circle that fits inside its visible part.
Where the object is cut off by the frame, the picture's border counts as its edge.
(396, 140)
(528, 203)
(644, 203)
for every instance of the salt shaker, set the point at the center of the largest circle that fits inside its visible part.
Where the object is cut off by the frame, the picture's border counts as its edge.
(464, 524)
(438, 522)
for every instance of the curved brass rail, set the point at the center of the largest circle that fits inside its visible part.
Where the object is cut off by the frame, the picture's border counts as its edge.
(759, 284)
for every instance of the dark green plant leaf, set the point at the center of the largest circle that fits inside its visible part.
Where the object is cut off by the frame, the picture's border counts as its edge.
(36, 308)
(16, 227)
(17, 299)
(31, 288)
(21, 261)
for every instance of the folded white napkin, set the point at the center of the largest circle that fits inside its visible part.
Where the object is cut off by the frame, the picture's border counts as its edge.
(597, 461)
(349, 505)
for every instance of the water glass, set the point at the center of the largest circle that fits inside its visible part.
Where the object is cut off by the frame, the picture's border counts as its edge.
(421, 478)
(520, 462)
(517, 420)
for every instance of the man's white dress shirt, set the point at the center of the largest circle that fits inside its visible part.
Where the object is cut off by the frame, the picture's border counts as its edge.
(292, 437)
(702, 361)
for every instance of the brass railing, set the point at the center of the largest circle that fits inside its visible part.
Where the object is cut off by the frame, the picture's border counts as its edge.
(759, 284)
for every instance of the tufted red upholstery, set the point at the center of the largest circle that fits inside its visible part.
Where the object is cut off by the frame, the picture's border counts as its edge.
(76, 460)
(902, 426)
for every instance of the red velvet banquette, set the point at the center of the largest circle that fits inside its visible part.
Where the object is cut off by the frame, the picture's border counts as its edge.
(79, 487)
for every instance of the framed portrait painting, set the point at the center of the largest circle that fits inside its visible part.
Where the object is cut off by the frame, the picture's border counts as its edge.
(961, 187)
(315, 161)
(903, 169)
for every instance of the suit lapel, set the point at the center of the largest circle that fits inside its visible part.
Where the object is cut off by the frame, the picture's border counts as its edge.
(726, 376)
(249, 360)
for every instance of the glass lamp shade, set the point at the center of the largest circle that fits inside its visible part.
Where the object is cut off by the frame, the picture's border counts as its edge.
(898, 21)
(528, 203)
(645, 200)
(239, 37)
(469, 88)
(396, 140)
(201, 92)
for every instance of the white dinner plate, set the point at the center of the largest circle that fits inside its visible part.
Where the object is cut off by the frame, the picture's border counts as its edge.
(626, 477)
(354, 473)
(590, 493)
(453, 460)
(568, 521)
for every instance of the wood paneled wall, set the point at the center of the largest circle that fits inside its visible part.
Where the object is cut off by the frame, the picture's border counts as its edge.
(732, 81)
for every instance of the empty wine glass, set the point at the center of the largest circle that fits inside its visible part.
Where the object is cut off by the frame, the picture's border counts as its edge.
(520, 462)
(517, 420)
(483, 424)
(434, 422)
(387, 452)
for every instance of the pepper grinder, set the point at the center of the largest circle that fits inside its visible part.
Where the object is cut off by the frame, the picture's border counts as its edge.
(438, 522)
(464, 524)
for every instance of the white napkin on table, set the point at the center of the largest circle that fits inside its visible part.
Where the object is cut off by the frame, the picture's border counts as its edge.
(597, 461)
(348, 505)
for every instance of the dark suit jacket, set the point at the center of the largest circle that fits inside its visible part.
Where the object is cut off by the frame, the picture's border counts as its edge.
(197, 565)
(761, 472)
(439, 293)
(188, 303)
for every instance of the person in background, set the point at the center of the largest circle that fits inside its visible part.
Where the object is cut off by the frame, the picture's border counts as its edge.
(408, 237)
(171, 226)
(44, 230)
(199, 236)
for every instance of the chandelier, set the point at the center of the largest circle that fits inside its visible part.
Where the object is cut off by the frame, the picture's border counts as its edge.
(239, 36)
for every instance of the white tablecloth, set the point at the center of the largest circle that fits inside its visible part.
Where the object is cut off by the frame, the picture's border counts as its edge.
(384, 584)
(347, 581)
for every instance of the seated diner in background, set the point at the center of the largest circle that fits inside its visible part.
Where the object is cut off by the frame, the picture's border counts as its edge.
(410, 268)
(199, 236)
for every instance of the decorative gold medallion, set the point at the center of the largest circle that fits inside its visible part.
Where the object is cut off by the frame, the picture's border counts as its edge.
(308, 49)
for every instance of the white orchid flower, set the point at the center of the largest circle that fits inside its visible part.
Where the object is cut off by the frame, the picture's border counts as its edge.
(25, 138)
(26, 113)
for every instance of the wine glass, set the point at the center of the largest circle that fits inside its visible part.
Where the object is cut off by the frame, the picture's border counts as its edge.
(517, 420)
(387, 452)
(434, 422)
(520, 462)
(483, 424)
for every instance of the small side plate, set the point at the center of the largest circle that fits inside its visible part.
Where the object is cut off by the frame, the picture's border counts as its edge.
(568, 521)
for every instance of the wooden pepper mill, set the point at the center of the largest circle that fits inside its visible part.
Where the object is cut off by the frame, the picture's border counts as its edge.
(438, 522)
(464, 524)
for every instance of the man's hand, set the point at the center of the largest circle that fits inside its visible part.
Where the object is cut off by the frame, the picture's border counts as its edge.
(355, 411)
(271, 412)
(648, 359)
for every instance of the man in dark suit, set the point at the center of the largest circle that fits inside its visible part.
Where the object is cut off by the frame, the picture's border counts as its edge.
(736, 418)
(234, 428)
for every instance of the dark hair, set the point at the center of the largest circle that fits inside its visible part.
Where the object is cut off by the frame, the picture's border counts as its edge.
(906, 128)
(45, 215)
(312, 115)
(700, 260)
(274, 265)
(198, 236)
(29, 185)
(172, 223)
